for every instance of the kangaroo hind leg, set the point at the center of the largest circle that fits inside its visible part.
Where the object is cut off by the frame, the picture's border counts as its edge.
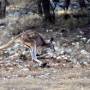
(33, 52)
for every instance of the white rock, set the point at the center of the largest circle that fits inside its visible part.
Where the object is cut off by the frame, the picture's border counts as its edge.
(84, 52)
(59, 57)
(88, 42)
(84, 39)
(77, 45)
(64, 57)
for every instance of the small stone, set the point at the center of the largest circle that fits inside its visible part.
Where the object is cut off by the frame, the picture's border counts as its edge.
(88, 41)
(84, 63)
(77, 65)
(59, 57)
(84, 52)
(84, 39)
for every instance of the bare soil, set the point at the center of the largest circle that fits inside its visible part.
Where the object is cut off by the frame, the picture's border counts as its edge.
(76, 78)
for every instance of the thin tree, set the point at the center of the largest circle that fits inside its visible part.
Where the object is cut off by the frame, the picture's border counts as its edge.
(3, 4)
(44, 8)
(82, 4)
(66, 4)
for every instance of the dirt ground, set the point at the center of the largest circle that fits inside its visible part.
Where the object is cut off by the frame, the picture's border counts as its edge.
(56, 79)
(17, 75)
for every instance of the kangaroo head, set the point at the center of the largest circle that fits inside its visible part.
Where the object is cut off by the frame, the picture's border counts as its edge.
(50, 44)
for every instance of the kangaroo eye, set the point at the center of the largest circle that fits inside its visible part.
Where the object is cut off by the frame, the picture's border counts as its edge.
(26, 49)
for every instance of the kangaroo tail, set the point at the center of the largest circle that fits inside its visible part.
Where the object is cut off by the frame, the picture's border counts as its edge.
(9, 43)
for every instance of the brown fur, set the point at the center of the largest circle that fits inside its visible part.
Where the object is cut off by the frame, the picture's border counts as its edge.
(28, 38)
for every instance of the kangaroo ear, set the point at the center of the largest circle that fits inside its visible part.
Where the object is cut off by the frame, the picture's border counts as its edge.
(51, 39)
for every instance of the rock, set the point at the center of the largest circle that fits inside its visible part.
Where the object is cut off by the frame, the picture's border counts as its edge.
(84, 63)
(64, 57)
(84, 39)
(84, 52)
(77, 65)
(77, 45)
(73, 60)
(59, 58)
(88, 41)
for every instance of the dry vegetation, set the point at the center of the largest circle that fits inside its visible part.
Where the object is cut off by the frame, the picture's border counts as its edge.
(63, 74)
(65, 79)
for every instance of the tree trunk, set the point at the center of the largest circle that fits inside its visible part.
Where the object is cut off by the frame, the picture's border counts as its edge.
(66, 4)
(82, 4)
(3, 4)
(44, 7)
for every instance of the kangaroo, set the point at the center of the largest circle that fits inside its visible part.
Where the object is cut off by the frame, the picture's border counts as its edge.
(32, 40)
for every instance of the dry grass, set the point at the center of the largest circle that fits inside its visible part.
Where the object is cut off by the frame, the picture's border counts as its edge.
(23, 23)
(19, 1)
(65, 79)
